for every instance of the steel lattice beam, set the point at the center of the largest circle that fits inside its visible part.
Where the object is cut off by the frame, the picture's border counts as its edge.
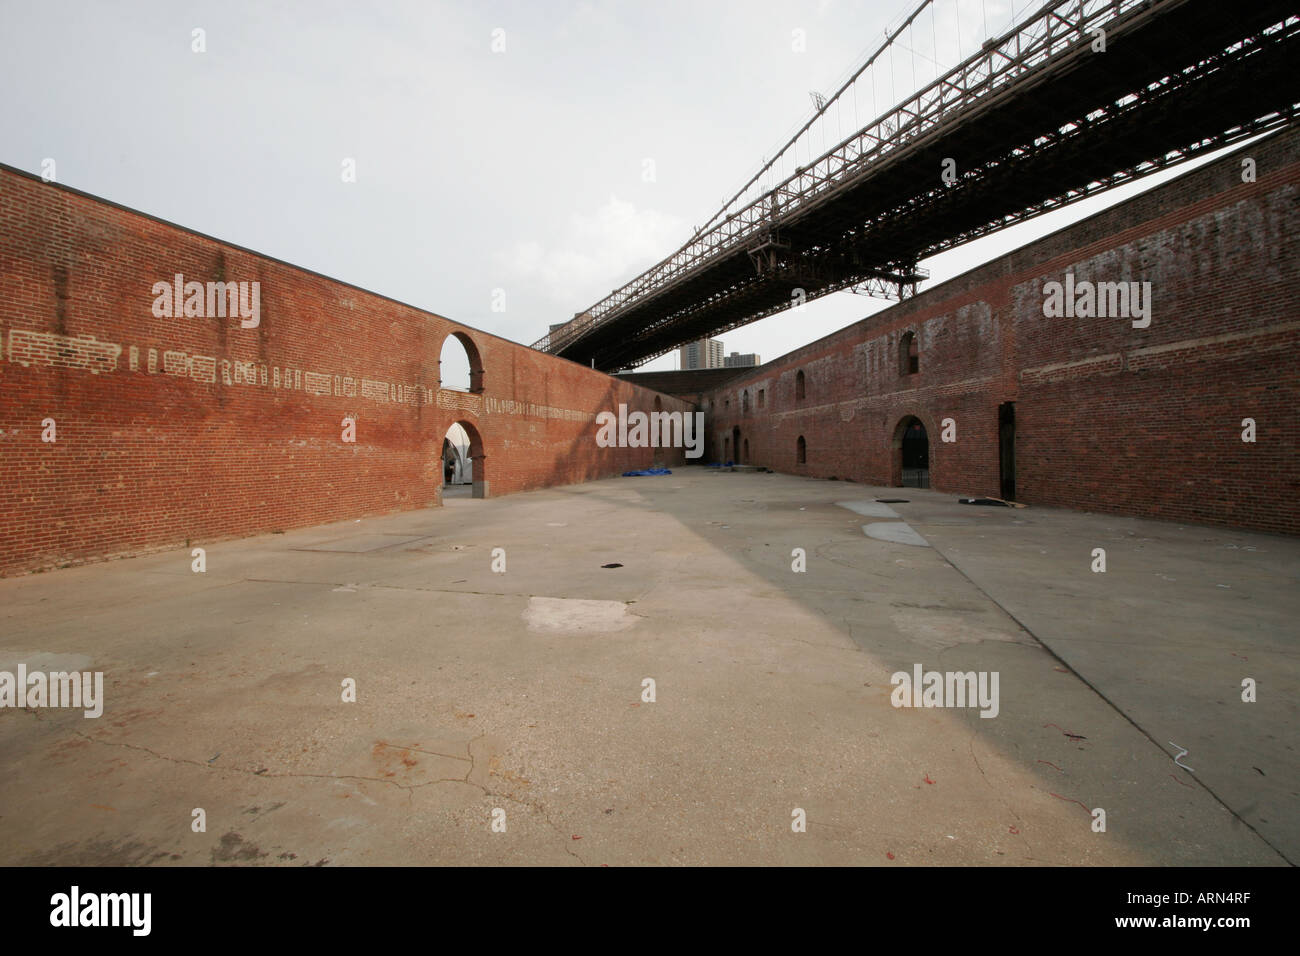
(1038, 120)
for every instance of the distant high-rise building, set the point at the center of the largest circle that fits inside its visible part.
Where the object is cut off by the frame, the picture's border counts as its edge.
(706, 353)
(736, 360)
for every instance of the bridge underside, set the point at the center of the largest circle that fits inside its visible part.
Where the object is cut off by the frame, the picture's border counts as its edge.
(1172, 83)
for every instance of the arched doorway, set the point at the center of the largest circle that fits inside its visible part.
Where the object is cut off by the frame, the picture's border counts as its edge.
(735, 443)
(911, 454)
(463, 466)
(457, 466)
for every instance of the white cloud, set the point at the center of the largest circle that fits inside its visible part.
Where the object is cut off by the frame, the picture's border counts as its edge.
(595, 253)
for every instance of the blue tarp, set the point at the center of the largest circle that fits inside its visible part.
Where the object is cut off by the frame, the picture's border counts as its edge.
(646, 471)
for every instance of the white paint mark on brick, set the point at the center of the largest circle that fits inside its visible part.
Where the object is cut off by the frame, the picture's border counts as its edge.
(28, 348)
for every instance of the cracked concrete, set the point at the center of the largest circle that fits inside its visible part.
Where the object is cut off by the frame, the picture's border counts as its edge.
(522, 692)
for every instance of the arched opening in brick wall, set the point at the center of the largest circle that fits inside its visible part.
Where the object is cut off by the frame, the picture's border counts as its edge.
(910, 454)
(909, 354)
(800, 386)
(735, 444)
(464, 469)
(801, 451)
(460, 368)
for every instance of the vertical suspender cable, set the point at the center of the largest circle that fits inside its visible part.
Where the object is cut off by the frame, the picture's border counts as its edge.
(957, 7)
(913, 46)
(934, 40)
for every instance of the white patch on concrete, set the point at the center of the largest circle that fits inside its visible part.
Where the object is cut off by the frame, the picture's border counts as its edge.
(575, 615)
(347, 823)
(44, 661)
(937, 630)
(897, 532)
(869, 509)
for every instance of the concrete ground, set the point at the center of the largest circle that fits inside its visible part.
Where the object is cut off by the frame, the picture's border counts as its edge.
(519, 695)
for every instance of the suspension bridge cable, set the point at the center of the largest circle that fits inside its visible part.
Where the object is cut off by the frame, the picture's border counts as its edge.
(806, 126)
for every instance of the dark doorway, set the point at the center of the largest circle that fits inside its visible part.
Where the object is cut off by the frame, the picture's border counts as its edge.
(451, 462)
(735, 443)
(916, 455)
(909, 354)
(659, 451)
(1007, 449)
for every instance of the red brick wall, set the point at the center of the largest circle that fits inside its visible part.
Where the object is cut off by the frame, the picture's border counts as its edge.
(158, 458)
(1108, 417)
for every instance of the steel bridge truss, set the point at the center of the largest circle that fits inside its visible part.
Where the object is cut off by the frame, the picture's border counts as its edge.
(864, 213)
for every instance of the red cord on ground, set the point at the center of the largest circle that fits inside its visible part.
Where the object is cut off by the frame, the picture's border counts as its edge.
(1072, 800)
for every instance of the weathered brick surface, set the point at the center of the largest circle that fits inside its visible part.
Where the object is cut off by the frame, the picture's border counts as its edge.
(1108, 417)
(192, 429)
(175, 430)
(688, 384)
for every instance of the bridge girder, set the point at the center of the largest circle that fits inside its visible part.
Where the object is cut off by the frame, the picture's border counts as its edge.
(1178, 78)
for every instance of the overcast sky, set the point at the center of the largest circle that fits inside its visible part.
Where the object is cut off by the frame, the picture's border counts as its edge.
(521, 169)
